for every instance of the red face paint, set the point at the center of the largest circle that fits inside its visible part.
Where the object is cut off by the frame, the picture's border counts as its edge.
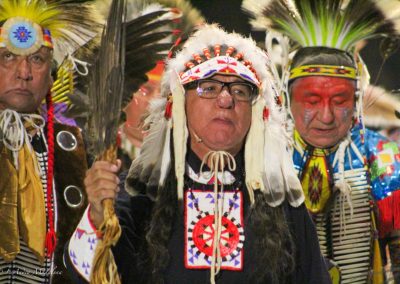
(322, 109)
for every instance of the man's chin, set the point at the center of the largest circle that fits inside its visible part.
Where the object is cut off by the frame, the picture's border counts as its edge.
(323, 143)
(29, 108)
(232, 148)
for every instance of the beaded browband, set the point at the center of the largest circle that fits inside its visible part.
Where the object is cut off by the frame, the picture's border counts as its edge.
(323, 70)
(206, 66)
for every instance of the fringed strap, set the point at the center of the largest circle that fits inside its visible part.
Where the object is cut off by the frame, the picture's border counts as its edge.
(217, 162)
(13, 128)
(343, 186)
(14, 131)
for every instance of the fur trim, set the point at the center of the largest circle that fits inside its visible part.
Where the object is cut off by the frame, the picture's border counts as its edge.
(180, 131)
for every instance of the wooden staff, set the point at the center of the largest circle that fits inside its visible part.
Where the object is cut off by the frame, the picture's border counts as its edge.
(104, 269)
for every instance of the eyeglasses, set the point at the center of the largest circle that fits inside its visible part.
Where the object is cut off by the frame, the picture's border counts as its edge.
(210, 89)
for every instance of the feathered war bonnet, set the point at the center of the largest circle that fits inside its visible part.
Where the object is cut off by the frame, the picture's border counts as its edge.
(211, 50)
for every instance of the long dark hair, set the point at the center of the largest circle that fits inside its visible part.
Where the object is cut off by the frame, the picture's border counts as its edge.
(160, 227)
(273, 244)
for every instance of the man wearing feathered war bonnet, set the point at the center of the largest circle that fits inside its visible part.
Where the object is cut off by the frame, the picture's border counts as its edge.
(35, 194)
(213, 193)
(350, 175)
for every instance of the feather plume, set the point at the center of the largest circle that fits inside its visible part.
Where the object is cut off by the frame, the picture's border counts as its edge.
(147, 26)
(153, 34)
(188, 15)
(105, 95)
(105, 87)
(151, 30)
(389, 46)
(391, 13)
(79, 103)
(380, 108)
(191, 17)
(72, 24)
(144, 47)
(332, 23)
(255, 9)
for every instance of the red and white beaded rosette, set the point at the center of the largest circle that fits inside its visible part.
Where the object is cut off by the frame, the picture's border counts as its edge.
(199, 229)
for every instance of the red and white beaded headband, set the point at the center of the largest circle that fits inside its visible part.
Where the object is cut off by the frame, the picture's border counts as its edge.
(220, 64)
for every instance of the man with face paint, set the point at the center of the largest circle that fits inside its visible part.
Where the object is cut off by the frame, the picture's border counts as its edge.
(350, 175)
(322, 109)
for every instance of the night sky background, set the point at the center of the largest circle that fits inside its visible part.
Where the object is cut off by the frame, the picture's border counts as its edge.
(228, 13)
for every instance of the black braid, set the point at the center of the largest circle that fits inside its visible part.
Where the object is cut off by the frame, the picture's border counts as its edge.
(160, 228)
(273, 243)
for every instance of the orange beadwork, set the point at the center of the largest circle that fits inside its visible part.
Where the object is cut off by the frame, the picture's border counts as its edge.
(217, 50)
(247, 63)
(197, 58)
(229, 51)
(207, 53)
(190, 64)
(239, 56)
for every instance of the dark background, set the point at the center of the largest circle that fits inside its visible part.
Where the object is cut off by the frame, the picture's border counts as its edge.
(228, 13)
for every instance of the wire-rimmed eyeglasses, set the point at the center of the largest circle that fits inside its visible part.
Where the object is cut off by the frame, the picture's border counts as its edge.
(211, 88)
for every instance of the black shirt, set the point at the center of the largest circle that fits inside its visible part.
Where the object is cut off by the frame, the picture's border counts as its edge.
(135, 212)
